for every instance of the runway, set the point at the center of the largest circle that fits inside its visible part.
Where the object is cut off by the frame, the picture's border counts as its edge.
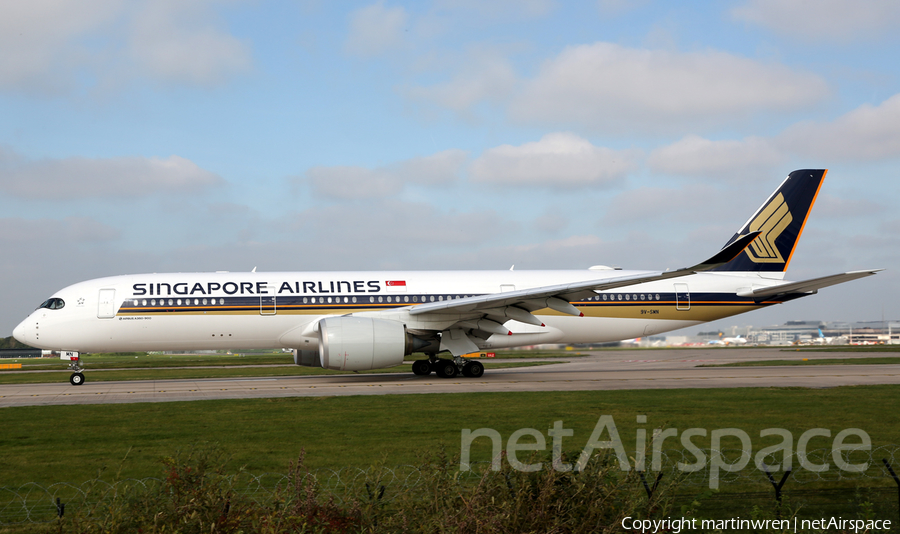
(602, 370)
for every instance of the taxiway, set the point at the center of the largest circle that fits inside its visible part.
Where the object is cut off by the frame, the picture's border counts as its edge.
(603, 370)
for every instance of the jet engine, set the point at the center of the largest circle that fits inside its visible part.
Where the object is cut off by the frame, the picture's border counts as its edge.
(361, 343)
(358, 344)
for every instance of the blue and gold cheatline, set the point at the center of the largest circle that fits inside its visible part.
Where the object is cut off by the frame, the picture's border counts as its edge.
(703, 306)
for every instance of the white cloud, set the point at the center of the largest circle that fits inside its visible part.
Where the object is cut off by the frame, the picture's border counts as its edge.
(176, 41)
(726, 159)
(823, 20)
(437, 169)
(830, 206)
(376, 29)
(40, 40)
(70, 178)
(17, 231)
(485, 75)
(611, 8)
(656, 207)
(346, 182)
(54, 46)
(392, 234)
(551, 222)
(448, 227)
(867, 133)
(557, 160)
(605, 86)
(496, 9)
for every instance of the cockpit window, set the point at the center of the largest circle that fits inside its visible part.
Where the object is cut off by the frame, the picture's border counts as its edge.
(53, 304)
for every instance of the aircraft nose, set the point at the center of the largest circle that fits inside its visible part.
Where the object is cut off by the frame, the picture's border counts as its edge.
(19, 332)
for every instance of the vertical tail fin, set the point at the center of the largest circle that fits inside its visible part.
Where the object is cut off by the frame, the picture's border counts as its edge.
(780, 221)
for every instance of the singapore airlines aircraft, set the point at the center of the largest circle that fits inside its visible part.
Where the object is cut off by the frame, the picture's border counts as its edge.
(370, 320)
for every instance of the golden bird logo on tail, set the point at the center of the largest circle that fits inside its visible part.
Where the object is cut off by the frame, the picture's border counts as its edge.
(771, 222)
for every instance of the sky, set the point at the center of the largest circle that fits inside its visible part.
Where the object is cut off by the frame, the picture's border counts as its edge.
(201, 135)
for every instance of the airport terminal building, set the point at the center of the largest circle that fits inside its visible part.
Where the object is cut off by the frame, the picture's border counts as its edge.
(828, 333)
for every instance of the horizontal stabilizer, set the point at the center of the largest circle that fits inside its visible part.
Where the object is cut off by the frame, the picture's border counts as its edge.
(807, 286)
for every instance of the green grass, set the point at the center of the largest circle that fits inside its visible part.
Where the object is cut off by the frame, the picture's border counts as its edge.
(818, 361)
(73, 443)
(174, 373)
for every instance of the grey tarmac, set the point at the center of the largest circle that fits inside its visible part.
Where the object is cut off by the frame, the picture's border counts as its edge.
(601, 370)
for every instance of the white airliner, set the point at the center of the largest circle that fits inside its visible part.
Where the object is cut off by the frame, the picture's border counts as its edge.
(370, 320)
(736, 340)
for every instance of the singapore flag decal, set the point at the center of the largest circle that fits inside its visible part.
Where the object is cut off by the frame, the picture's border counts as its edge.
(396, 286)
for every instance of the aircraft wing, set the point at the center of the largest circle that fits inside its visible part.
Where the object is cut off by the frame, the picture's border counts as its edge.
(550, 296)
(807, 286)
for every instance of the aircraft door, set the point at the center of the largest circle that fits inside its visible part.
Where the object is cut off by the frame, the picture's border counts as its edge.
(267, 302)
(682, 297)
(106, 307)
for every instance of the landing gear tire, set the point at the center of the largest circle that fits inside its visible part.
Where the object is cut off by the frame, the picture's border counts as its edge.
(473, 370)
(446, 368)
(421, 367)
(76, 379)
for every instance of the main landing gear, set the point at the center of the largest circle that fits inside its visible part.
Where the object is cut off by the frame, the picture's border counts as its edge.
(447, 368)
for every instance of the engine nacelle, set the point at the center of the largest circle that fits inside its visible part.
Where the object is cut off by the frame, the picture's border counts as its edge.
(361, 343)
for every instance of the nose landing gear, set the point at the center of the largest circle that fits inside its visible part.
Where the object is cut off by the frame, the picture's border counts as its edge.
(77, 377)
